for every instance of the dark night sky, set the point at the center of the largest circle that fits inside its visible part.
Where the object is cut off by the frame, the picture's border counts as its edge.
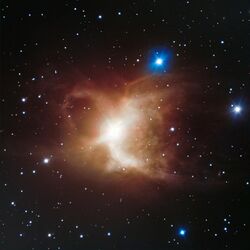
(67, 64)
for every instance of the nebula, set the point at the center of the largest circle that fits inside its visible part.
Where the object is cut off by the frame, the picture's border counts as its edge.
(126, 130)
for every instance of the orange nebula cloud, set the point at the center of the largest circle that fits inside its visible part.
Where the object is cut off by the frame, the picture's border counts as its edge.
(122, 130)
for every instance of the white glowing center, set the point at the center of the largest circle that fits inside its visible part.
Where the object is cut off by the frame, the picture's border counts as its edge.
(237, 109)
(115, 133)
(159, 61)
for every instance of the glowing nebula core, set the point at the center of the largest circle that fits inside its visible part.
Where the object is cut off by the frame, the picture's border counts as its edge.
(116, 133)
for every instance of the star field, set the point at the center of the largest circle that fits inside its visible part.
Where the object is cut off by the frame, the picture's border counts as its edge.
(125, 125)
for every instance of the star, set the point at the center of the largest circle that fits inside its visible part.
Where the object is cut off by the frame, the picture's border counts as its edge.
(182, 232)
(13, 203)
(237, 109)
(159, 61)
(46, 160)
(172, 129)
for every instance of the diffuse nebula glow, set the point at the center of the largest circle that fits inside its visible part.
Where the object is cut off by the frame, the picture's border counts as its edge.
(122, 130)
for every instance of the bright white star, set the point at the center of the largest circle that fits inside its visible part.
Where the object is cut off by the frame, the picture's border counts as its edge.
(172, 129)
(46, 160)
(237, 109)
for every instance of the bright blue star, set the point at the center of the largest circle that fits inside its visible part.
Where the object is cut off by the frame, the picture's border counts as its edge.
(236, 109)
(182, 232)
(159, 61)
